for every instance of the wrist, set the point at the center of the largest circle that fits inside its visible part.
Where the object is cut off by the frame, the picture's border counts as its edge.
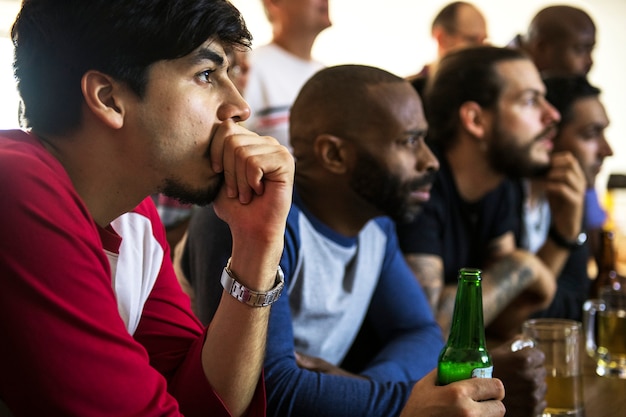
(564, 242)
(255, 262)
(250, 297)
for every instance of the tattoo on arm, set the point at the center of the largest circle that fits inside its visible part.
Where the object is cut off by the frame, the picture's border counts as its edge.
(428, 271)
(502, 283)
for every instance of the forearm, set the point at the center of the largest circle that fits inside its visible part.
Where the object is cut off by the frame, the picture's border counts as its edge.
(445, 309)
(304, 393)
(508, 322)
(233, 352)
(428, 272)
(512, 275)
(234, 349)
(553, 256)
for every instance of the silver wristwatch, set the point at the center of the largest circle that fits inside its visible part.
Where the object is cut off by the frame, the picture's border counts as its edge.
(248, 296)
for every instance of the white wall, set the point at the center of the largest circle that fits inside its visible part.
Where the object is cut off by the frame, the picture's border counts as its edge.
(8, 92)
(395, 35)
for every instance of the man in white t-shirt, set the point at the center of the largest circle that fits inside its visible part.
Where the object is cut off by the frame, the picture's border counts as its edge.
(280, 68)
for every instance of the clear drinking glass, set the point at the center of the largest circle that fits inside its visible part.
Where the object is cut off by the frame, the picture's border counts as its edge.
(560, 340)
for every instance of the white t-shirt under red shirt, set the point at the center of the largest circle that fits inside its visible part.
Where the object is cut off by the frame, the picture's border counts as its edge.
(94, 322)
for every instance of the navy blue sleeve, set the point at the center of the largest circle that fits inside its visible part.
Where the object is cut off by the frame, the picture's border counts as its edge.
(401, 316)
(292, 391)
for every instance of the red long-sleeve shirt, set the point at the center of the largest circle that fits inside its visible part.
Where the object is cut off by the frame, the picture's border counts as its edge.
(93, 321)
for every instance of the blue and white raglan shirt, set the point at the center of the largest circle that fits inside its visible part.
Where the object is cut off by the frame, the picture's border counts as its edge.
(335, 287)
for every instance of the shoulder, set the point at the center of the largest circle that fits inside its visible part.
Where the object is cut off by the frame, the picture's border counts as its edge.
(30, 176)
(147, 209)
(22, 155)
(142, 225)
(387, 225)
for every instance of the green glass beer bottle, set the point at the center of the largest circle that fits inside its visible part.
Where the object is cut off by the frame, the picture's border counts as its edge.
(465, 354)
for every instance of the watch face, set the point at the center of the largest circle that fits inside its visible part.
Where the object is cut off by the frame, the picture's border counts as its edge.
(581, 239)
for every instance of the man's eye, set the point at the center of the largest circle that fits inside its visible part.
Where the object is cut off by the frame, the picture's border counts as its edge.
(412, 140)
(591, 134)
(582, 49)
(205, 76)
(531, 101)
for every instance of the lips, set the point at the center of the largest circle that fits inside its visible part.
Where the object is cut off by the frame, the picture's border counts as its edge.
(547, 138)
(549, 135)
(548, 143)
(422, 193)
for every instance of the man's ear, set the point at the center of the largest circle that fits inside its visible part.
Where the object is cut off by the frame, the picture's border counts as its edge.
(440, 36)
(332, 152)
(103, 98)
(270, 7)
(472, 118)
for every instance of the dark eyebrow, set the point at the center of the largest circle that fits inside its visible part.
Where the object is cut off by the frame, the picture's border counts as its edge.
(418, 132)
(205, 54)
(531, 91)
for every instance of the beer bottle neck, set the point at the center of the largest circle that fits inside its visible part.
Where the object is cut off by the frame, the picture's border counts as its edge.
(468, 329)
(607, 270)
(607, 252)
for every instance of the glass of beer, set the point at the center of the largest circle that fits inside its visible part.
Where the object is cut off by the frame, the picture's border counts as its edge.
(605, 331)
(560, 340)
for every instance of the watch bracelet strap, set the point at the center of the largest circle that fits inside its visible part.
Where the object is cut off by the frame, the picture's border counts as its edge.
(561, 241)
(250, 297)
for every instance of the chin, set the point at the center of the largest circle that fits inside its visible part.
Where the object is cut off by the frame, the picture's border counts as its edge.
(541, 171)
(407, 216)
(193, 195)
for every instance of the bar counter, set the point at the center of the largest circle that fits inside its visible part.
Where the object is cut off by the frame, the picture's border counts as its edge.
(604, 396)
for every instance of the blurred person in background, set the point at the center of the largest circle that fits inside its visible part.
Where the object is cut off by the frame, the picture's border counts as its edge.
(581, 132)
(279, 68)
(457, 25)
(560, 40)
(489, 123)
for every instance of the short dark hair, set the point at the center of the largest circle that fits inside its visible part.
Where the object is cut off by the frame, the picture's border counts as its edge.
(468, 74)
(563, 91)
(57, 41)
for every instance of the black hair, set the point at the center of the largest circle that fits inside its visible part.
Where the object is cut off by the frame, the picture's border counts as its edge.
(563, 91)
(468, 74)
(57, 41)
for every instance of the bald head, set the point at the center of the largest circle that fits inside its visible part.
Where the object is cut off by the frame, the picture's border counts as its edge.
(459, 24)
(357, 134)
(341, 101)
(556, 23)
(560, 40)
